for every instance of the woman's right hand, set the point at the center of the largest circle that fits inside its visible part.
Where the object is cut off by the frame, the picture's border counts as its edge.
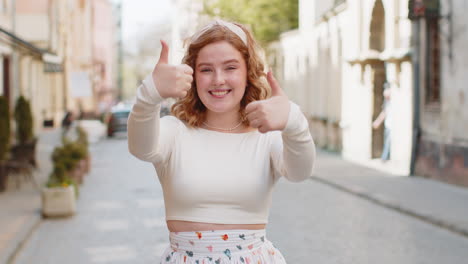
(171, 80)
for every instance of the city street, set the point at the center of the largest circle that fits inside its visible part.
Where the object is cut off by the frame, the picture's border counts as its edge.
(120, 219)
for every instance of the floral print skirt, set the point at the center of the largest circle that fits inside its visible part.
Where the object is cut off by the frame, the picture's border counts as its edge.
(221, 247)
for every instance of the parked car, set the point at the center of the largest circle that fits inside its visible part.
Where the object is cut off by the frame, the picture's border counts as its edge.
(165, 109)
(118, 116)
(117, 119)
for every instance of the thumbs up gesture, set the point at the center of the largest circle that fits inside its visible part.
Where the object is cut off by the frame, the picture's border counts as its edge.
(171, 80)
(270, 114)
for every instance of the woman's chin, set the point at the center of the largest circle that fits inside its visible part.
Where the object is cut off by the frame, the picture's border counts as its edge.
(219, 109)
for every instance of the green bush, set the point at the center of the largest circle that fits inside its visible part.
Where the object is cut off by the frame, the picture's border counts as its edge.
(66, 157)
(4, 128)
(24, 120)
(69, 154)
(60, 178)
(82, 138)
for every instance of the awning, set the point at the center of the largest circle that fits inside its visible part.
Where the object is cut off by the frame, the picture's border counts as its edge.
(423, 9)
(52, 62)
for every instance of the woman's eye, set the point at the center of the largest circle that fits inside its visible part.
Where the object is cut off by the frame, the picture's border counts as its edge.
(205, 70)
(231, 68)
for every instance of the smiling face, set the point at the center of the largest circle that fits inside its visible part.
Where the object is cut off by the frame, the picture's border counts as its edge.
(221, 77)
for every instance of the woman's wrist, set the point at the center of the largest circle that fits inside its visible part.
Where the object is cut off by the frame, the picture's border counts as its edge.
(151, 92)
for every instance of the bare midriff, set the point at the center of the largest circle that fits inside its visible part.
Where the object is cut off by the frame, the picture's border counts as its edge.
(186, 226)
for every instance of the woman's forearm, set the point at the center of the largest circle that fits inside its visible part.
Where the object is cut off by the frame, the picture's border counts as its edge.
(143, 122)
(298, 147)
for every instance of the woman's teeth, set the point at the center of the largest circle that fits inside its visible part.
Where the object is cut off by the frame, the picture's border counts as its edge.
(220, 93)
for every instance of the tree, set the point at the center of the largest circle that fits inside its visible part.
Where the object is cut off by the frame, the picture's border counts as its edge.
(267, 18)
(4, 128)
(24, 120)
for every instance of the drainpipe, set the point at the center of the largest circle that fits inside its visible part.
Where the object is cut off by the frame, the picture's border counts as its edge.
(416, 97)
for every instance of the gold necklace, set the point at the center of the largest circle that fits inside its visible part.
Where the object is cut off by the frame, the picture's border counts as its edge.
(224, 129)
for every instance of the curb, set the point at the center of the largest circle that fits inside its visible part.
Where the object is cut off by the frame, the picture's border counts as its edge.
(394, 205)
(20, 239)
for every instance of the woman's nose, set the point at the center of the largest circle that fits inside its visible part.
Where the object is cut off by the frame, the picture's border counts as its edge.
(219, 79)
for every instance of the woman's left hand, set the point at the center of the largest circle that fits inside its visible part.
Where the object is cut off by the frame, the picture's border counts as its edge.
(270, 114)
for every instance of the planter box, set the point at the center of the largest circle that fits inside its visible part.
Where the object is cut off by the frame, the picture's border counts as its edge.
(58, 201)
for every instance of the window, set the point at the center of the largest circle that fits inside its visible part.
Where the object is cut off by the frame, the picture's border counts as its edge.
(433, 61)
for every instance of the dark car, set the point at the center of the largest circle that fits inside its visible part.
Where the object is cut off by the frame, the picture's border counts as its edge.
(117, 120)
(118, 116)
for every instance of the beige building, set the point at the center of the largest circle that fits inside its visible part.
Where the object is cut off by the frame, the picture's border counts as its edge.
(70, 62)
(90, 56)
(6, 50)
(29, 66)
(343, 54)
(335, 66)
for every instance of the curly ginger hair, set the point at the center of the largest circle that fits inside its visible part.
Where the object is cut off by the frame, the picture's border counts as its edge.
(190, 108)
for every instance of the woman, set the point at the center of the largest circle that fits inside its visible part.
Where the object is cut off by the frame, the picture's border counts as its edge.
(226, 146)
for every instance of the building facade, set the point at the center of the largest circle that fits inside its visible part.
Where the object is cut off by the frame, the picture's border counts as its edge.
(72, 66)
(6, 51)
(344, 53)
(440, 57)
(37, 72)
(335, 66)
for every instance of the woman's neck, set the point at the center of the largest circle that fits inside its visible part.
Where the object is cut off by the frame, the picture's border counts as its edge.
(223, 120)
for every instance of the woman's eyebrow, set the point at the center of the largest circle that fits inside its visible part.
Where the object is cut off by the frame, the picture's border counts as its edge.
(203, 64)
(224, 62)
(230, 61)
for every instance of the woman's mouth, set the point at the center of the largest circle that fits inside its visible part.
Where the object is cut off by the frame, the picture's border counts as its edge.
(219, 93)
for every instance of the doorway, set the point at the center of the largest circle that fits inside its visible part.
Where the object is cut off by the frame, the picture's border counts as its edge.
(378, 81)
(377, 43)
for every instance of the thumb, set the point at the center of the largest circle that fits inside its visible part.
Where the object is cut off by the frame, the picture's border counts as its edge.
(275, 88)
(164, 57)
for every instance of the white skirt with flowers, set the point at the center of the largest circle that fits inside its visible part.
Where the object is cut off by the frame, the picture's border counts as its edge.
(221, 247)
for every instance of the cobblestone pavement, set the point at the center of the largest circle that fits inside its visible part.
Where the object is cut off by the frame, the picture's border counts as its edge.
(120, 219)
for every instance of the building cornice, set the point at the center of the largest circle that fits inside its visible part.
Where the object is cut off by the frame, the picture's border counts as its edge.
(373, 56)
(52, 62)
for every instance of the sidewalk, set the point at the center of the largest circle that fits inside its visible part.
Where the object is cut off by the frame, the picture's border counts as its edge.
(20, 209)
(430, 201)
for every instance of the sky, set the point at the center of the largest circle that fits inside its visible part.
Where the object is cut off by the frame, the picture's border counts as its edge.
(138, 15)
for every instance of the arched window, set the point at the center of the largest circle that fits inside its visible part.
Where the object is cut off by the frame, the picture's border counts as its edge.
(377, 28)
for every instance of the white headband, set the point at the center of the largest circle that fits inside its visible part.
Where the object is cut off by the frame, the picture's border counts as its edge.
(232, 27)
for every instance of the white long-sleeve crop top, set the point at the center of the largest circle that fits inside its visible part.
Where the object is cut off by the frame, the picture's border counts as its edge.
(215, 177)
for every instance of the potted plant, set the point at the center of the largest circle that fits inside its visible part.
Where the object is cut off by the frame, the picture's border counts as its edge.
(70, 166)
(59, 195)
(71, 154)
(26, 143)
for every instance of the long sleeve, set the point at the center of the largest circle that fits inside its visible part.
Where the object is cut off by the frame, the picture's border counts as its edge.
(293, 154)
(149, 137)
